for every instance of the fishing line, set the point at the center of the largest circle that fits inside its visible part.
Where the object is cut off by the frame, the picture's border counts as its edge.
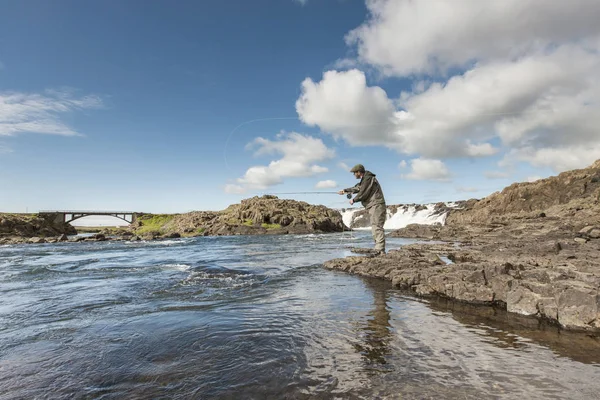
(395, 123)
(248, 123)
(348, 195)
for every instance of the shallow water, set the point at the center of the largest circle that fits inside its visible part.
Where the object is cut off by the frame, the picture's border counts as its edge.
(258, 317)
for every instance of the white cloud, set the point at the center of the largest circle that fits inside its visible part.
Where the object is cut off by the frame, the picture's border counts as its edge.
(496, 174)
(345, 63)
(300, 155)
(342, 104)
(402, 164)
(328, 184)
(344, 166)
(427, 169)
(533, 178)
(234, 189)
(526, 83)
(404, 37)
(559, 159)
(40, 113)
(530, 102)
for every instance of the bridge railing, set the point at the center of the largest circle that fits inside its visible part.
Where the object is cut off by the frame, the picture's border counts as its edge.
(87, 212)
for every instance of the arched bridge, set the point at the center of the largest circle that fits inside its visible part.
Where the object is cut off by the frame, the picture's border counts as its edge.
(67, 216)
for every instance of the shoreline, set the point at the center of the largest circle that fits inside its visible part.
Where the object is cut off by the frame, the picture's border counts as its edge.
(533, 267)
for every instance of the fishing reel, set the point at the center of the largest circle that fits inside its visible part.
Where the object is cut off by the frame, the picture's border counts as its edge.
(349, 195)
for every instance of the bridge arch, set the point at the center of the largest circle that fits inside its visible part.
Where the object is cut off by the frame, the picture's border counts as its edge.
(68, 216)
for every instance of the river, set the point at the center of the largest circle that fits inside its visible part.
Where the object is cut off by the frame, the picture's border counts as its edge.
(257, 317)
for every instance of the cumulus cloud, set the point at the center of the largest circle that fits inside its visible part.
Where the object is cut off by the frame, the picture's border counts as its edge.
(404, 37)
(328, 184)
(40, 113)
(300, 153)
(402, 164)
(427, 169)
(343, 105)
(525, 83)
(344, 166)
(232, 188)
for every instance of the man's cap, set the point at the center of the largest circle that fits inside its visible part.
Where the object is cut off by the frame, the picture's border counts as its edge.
(358, 168)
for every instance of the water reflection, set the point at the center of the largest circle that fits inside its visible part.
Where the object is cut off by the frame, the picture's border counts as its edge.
(513, 331)
(376, 331)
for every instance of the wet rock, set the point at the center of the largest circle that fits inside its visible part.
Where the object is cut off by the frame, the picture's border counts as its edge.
(578, 306)
(63, 238)
(151, 235)
(173, 235)
(99, 237)
(417, 231)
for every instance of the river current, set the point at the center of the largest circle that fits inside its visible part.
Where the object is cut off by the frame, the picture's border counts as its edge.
(257, 317)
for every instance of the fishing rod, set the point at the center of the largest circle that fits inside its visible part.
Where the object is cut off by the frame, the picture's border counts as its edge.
(348, 195)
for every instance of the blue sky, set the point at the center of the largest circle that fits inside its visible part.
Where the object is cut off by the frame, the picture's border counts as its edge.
(168, 107)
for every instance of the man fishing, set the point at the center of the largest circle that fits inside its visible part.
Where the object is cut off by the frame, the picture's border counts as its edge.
(369, 193)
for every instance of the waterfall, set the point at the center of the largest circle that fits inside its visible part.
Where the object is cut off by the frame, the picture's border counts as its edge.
(401, 215)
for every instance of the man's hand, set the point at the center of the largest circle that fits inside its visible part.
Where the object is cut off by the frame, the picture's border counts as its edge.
(341, 192)
(351, 201)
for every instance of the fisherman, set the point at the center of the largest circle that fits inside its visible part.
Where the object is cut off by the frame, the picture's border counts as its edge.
(369, 193)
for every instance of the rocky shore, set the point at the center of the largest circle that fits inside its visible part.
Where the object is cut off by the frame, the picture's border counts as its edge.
(31, 228)
(532, 249)
(266, 215)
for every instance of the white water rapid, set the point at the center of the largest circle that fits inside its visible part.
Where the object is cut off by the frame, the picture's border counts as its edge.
(399, 216)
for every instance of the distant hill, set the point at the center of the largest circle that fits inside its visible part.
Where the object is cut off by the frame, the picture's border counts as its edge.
(572, 194)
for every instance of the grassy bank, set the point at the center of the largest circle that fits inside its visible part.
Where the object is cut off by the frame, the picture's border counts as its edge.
(153, 223)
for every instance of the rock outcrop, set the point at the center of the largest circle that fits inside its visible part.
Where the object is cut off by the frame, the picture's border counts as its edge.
(26, 227)
(533, 249)
(257, 215)
(560, 195)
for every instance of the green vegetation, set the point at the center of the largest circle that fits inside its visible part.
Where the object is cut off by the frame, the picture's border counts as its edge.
(271, 226)
(200, 230)
(153, 223)
(249, 222)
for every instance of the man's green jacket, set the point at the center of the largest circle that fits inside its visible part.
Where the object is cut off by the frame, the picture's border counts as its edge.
(368, 191)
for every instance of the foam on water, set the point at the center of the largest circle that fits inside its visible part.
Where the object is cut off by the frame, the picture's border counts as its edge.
(405, 215)
(176, 267)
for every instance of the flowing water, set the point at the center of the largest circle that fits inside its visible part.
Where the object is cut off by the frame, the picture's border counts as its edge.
(258, 317)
